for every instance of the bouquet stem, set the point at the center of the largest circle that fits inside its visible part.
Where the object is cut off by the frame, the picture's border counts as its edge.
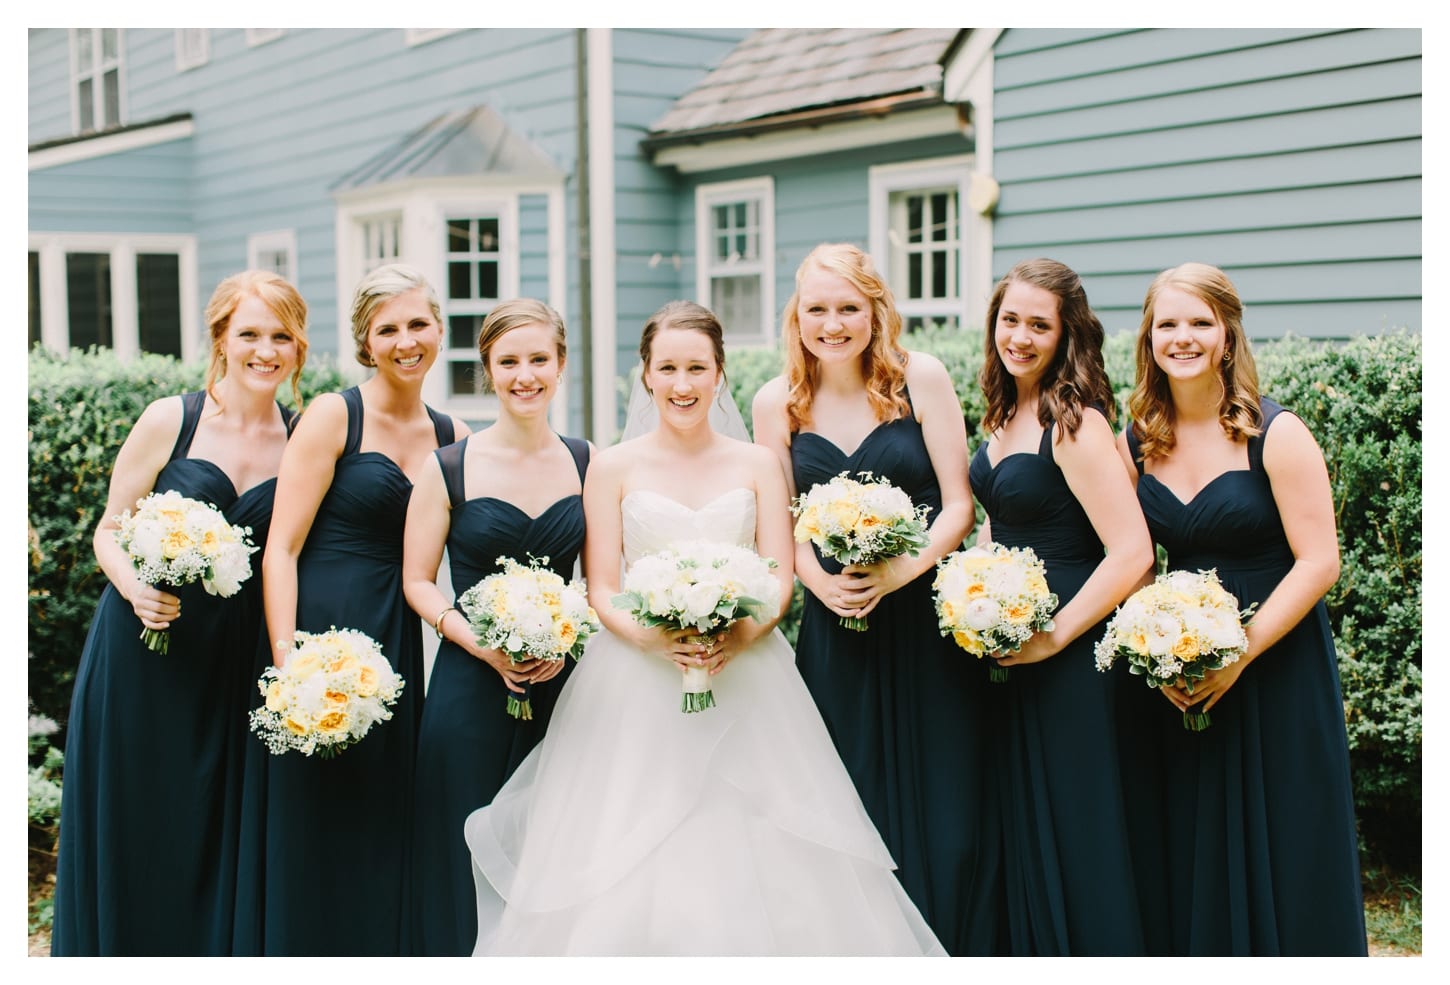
(855, 623)
(158, 640)
(998, 674)
(696, 694)
(1196, 721)
(520, 708)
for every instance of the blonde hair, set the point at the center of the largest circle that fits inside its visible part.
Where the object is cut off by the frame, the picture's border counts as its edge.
(1151, 403)
(379, 286)
(884, 361)
(516, 313)
(280, 297)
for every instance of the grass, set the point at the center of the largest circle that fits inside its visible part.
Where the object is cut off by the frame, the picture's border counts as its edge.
(1392, 916)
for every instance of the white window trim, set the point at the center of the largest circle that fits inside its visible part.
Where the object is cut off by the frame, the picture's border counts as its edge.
(75, 72)
(414, 36)
(707, 196)
(125, 330)
(274, 241)
(956, 170)
(424, 207)
(257, 36)
(203, 54)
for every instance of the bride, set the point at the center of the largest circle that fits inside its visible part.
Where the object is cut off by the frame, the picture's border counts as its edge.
(636, 829)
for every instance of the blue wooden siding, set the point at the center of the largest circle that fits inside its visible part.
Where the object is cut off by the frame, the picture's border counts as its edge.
(48, 64)
(1290, 157)
(652, 68)
(147, 190)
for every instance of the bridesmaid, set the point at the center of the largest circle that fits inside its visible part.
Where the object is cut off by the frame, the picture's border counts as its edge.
(334, 834)
(903, 705)
(1260, 804)
(512, 489)
(1049, 480)
(154, 749)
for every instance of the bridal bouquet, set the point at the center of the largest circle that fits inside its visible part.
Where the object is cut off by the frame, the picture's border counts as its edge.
(700, 585)
(529, 613)
(990, 598)
(327, 694)
(859, 522)
(174, 540)
(1181, 626)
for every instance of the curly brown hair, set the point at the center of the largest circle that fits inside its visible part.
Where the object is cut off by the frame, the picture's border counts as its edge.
(1075, 379)
(1151, 403)
(884, 361)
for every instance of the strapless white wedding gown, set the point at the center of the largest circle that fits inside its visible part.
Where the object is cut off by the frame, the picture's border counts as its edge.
(636, 829)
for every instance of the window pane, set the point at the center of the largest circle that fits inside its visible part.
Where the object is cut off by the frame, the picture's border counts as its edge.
(34, 298)
(158, 302)
(488, 279)
(463, 331)
(459, 241)
(736, 301)
(465, 379)
(110, 47)
(86, 102)
(113, 97)
(940, 225)
(913, 218)
(939, 280)
(458, 281)
(85, 48)
(488, 235)
(88, 295)
(722, 247)
(913, 275)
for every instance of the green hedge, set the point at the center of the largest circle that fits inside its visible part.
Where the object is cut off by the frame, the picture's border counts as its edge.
(81, 408)
(1362, 401)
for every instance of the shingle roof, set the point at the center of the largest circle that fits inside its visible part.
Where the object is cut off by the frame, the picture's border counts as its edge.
(467, 141)
(786, 70)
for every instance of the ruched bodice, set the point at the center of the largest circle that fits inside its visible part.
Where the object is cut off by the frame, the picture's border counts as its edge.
(1031, 506)
(653, 521)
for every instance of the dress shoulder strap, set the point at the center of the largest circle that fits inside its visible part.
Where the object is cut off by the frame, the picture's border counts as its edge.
(191, 405)
(1133, 446)
(352, 396)
(289, 417)
(579, 448)
(1270, 409)
(450, 460)
(442, 426)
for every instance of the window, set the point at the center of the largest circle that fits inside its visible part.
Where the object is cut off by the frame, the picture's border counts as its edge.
(917, 229)
(129, 293)
(34, 284)
(473, 256)
(274, 251)
(261, 35)
(381, 240)
(96, 77)
(735, 249)
(192, 47)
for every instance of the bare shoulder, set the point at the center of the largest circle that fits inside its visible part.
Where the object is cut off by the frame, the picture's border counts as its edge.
(161, 418)
(1289, 442)
(461, 429)
(1094, 436)
(927, 377)
(770, 398)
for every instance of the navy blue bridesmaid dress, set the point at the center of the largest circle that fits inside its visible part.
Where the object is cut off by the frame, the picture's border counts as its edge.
(154, 750)
(906, 710)
(1069, 870)
(325, 841)
(1260, 803)
(468, 745)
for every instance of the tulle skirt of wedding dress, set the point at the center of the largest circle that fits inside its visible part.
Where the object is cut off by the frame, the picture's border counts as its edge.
(637, 829)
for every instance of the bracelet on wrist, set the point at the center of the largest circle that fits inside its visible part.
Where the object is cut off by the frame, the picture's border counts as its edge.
(438, 623)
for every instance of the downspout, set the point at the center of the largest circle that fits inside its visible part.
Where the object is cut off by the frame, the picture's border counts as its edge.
(586, 335)
(604, 358)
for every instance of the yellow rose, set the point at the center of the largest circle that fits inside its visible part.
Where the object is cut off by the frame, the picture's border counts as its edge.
(807, 527)
(211, 544)
(336, 699)
(1018, 613)
(297, 724)
(968, 641)
(1138, 642)
(1186, 648)
(274, 696)
(304, 665)
(949, 611)
(367, 681)
(844, 515)
(1036, 584)
(176, 543)
(332, 723)
(976, 589)
(343, 662)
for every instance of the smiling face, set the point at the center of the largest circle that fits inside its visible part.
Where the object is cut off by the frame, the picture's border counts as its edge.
(524, 366)
(682, 374)
(260, 351)
(403, 336)
(1188, 338)
(1028, 331)
(834, 316)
